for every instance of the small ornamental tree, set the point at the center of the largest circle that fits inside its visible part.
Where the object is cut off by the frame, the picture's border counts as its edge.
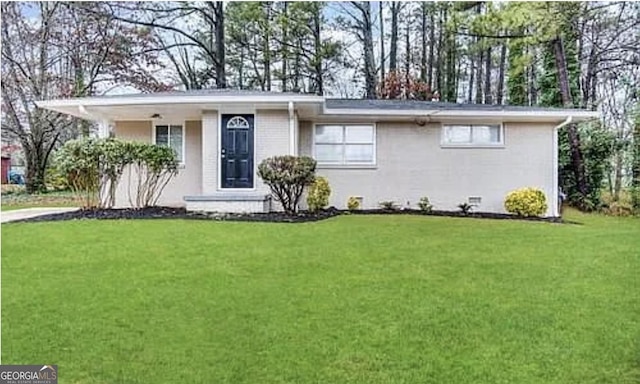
(287, 176)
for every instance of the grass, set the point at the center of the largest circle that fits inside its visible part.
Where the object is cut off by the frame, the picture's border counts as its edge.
(50, 199)
(354, 299)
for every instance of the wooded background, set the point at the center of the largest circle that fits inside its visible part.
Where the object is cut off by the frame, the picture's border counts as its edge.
(553, 54)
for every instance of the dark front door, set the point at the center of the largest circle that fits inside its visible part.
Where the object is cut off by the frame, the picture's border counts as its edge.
(236, 152)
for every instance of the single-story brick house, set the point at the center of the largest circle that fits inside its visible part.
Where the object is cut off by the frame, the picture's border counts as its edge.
(377, 150)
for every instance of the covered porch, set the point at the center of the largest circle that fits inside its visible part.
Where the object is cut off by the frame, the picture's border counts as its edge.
(219, 141)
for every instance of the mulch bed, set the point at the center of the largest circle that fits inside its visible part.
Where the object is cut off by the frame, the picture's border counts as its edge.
(277, 217)
(181, 213)
(474, 215)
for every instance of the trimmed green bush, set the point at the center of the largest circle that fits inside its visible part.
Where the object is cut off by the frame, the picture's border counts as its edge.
(526, 202)
(425, 205)
(287, 176)
(319, 192)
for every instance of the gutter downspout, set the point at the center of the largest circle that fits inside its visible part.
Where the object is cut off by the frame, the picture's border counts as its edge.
(555, 211)
(292, 130)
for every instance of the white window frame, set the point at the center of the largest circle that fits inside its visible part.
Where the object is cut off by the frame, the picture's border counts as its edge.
(343, 163)
(444, 143)
(169, 123)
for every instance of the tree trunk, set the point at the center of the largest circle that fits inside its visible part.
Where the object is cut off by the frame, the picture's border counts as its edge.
(296, 71)
(432, 38)
(572, 131)
(618, 171)
(532, 90)
(423, 41)
(266, 49)
(635, 164)
(370, 66)
(479, 78)
(407, 54)
(285, 49)
(500, 86)
(221, 75)
(317, 47)
(471, 79)
(440, 58)
(393, 54)
(382, 59)
(488, 99)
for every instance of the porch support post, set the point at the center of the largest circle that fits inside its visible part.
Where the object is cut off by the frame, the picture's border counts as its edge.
(210, 152)
(104, 128)
(292, 129)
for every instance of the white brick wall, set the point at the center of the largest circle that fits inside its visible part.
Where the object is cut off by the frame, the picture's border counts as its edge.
(188, 180)
(411, 164)
(272, 139)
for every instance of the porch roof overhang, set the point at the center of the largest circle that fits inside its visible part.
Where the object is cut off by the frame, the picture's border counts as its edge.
(171, 105)
(190, 105)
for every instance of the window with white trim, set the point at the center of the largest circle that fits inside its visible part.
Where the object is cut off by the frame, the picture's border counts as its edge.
(172, 136)
(344, 144)
(472, 135)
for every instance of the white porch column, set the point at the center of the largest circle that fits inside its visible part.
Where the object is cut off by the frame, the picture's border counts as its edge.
(104, 128)
(209, 152)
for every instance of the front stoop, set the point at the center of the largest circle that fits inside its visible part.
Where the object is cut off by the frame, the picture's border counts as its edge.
(229, 203)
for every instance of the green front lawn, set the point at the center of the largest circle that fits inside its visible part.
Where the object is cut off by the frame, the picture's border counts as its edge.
(354, 299)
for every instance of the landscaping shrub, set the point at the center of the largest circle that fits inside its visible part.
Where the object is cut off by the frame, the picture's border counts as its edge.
(319, 192)
(287, 176)
(55, 180)
(353, 203)
(79, 161)
(619, 208)
(155, 165)
(526, 202)
(465, 208)
(635, 198)
(388, 205)
(425, 205)
(94, 167)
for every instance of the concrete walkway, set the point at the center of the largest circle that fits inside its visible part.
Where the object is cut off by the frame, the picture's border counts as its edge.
(27, 213)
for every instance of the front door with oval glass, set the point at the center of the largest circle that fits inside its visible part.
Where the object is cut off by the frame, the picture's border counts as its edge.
(236, 151)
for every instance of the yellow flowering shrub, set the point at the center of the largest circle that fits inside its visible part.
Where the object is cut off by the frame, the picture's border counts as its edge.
(353, 203)
(526, 202)
(319, 192)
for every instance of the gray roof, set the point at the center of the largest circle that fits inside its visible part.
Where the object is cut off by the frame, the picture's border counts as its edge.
(403, 105)
(353, 104)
